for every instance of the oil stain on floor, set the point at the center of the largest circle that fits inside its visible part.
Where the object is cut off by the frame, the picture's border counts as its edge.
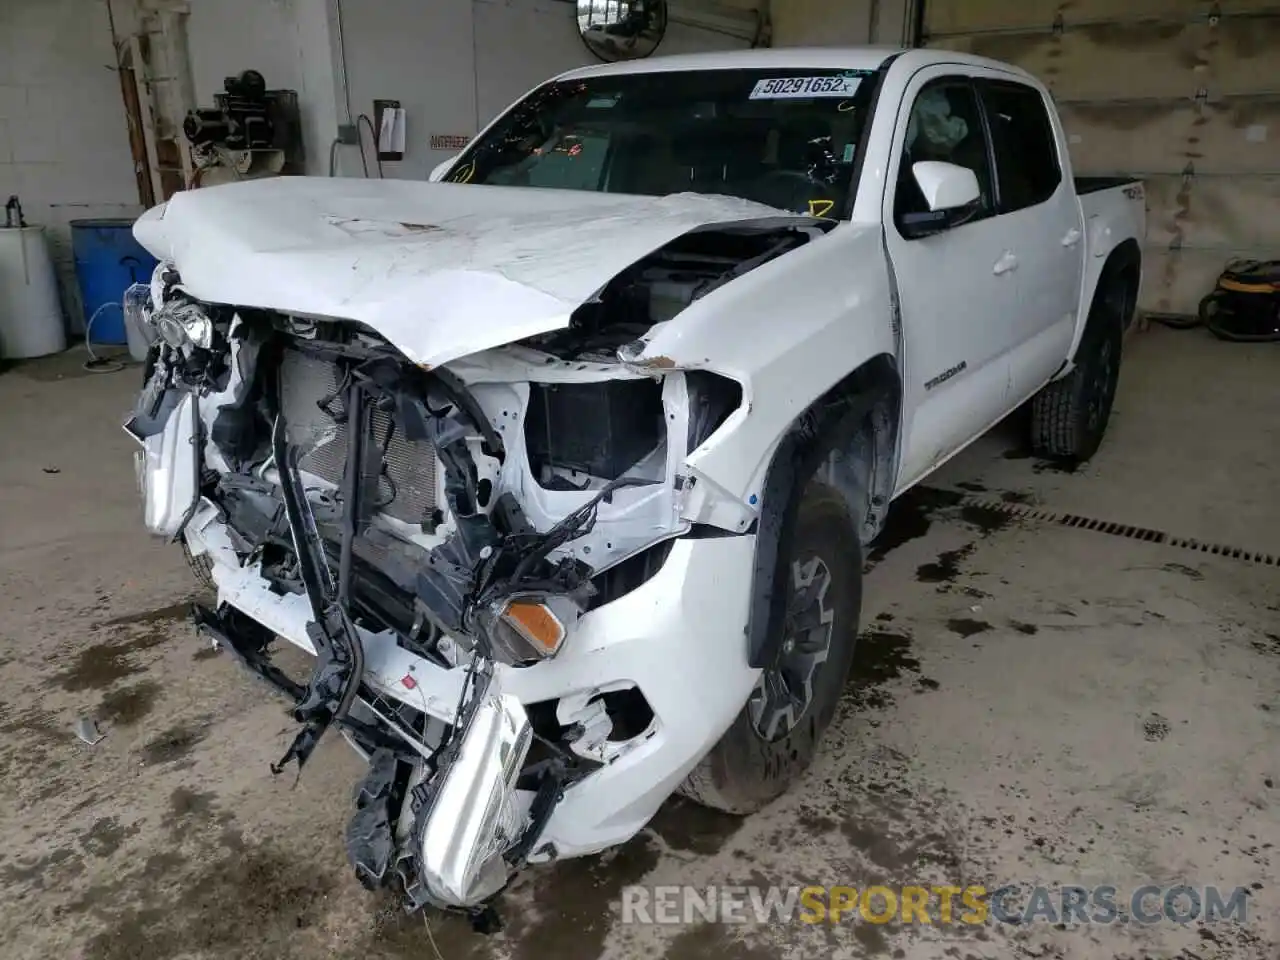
(99, 665)
(946, 568)
(572, 902)
(106, 836)
(175, 742)
(246, 902)
(880, 657)
(910, 518)
(30, 746)
(130, 704)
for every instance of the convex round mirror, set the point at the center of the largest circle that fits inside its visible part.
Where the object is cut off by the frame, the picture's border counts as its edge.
(622, 29)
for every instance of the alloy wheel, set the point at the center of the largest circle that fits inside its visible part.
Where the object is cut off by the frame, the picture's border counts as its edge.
(784, 691)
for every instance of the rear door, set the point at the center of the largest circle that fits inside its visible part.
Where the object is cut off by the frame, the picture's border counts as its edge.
(957, 289)
(1037, 204)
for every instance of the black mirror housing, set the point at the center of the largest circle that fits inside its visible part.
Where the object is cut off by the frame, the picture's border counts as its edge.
(914, 226)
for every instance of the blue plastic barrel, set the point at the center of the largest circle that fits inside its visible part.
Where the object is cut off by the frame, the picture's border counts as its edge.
(108, 260)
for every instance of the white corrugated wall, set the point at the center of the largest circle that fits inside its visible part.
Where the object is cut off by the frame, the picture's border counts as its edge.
(1183, 93)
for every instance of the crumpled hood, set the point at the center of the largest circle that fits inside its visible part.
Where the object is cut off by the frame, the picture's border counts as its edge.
(441, 270)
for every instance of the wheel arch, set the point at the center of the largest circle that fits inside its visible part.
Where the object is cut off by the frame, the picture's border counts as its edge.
(1121, 270)
(849, 436)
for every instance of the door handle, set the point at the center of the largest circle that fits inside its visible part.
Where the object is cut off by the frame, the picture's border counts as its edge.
(1005, 264)
(1071, 238)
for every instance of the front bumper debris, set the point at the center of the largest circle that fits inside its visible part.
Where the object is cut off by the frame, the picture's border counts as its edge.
(469, 825)
(689, 613)
(248, 641)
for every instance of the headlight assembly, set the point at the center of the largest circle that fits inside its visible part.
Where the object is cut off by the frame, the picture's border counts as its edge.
(179, 324)
(161, 313)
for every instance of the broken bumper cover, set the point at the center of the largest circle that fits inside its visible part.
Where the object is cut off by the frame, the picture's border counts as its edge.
(671, 638)
(167, 465)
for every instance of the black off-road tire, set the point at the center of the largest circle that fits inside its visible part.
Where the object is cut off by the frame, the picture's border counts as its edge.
(744, 771)
(201, 567)
(1069, 416)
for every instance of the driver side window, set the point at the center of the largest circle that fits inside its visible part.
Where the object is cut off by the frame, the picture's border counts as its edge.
(945, 124)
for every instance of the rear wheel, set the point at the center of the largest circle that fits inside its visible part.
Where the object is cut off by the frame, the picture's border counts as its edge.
(1069, 417)
(775, 737)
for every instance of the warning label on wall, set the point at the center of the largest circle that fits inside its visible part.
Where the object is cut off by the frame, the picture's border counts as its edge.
(449, 141)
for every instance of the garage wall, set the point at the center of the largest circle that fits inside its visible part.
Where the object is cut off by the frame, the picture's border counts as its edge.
(803, 23)
(1184, 93)
(523, 42)
(418, 53)
(829, 23)
(64, 142)
(455, 64)
(288, 41)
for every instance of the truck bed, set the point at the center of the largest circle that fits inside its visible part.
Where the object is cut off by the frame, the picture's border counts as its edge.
(1093, 184)
(1114, 203)
(1112, 208)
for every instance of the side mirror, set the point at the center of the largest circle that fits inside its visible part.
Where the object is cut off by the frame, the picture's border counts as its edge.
(952, 193)
(438, 172)
(946, 185)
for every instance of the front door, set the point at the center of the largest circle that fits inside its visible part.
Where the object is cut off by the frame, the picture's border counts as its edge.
(957, 289)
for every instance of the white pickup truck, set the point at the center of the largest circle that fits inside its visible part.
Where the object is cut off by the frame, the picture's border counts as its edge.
(563, 465)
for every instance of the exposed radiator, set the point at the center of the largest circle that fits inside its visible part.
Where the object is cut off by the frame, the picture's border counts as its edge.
(408, 484)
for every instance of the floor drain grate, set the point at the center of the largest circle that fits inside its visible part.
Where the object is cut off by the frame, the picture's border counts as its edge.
(1126, 530)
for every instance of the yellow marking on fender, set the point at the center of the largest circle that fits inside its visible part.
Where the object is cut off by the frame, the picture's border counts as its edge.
(820, 208)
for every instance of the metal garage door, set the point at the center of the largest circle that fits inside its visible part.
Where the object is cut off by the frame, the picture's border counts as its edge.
(1185, 94)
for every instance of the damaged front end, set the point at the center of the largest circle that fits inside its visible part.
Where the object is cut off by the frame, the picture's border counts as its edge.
(443, 534)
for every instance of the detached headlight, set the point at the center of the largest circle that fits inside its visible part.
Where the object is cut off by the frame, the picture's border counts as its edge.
(473, 818)
(180, 324)
(160, 313)
(525, 629)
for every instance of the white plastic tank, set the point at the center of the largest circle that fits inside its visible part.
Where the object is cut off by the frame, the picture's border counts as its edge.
(30, 314)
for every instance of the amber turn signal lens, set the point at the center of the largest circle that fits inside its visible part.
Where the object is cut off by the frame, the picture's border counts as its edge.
(536, 624)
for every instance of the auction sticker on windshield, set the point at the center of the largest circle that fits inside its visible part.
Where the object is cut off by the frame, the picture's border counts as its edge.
(781, 88)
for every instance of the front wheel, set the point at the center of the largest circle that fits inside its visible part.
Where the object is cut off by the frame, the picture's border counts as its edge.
(775, 737)
(201, 567)
(1069, 417)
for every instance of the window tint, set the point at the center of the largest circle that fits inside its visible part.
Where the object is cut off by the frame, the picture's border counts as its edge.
(575, 163)
(945, 124)
(1027, 168)
(787, 138)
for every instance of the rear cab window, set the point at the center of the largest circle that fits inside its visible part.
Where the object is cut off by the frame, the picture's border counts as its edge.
(784, 137)
(1026, 151)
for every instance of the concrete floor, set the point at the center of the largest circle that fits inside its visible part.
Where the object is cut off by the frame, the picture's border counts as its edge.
(1032, 704)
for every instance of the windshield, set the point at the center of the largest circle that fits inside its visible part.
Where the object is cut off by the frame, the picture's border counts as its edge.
(787, 138)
